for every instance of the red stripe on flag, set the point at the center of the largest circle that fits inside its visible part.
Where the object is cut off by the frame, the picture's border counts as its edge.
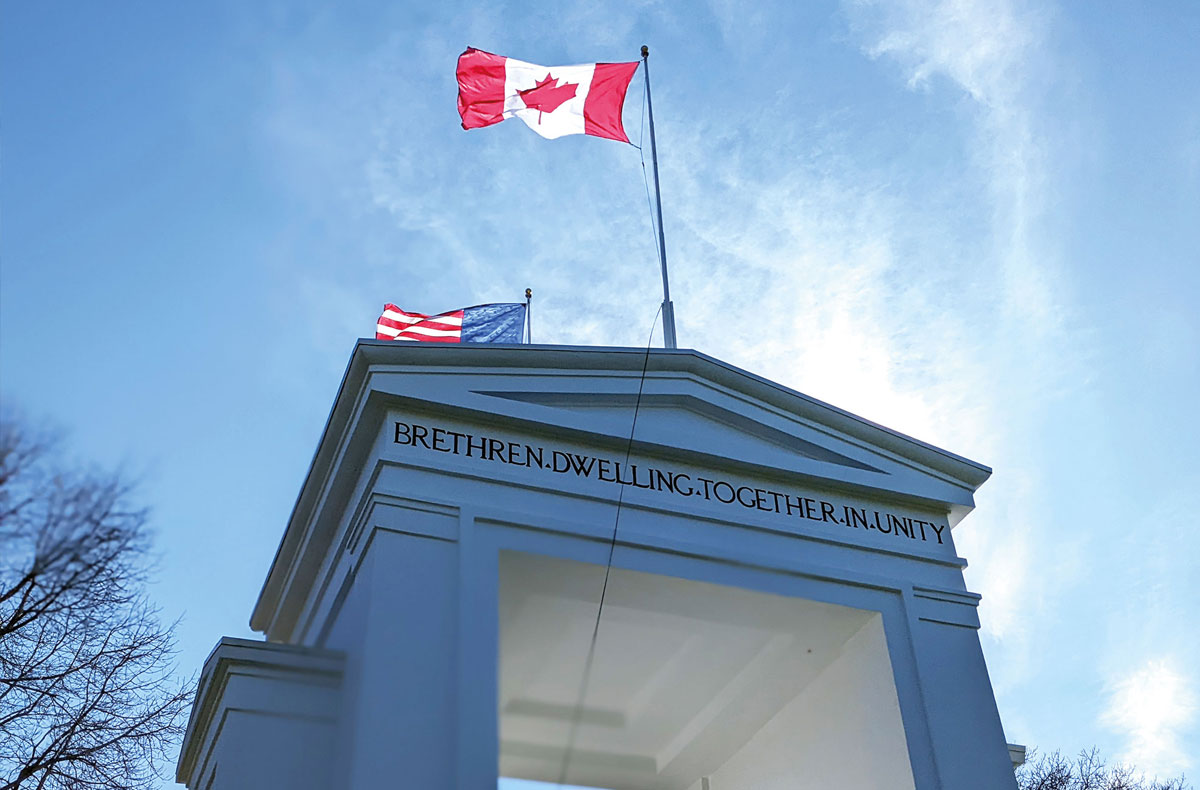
(446, 327)
(431, 323)
(394, 324)
(426, 338)
(480, 88)
(458, 314)
(606, 99)
(392, 308)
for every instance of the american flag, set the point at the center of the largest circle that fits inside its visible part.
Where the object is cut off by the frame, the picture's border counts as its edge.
(397, 324)
(485, 323)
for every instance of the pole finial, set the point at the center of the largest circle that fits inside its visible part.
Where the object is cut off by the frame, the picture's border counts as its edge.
(528, 316)
(645, 51)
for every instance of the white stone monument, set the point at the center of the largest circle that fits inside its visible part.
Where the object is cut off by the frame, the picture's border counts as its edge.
(783, 603)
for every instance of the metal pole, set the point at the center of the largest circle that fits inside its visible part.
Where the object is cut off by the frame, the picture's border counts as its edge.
(529, 315)
(668, 310)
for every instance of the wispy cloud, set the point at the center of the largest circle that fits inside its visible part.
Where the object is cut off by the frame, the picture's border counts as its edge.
(1151, 688)
(933, 306)
(996, 53)
(1152, 707)
(1016, 312)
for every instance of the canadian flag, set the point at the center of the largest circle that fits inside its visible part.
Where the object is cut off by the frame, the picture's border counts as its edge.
(551, 100)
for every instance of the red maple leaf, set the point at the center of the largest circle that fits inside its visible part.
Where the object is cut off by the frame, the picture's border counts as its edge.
(547, 96)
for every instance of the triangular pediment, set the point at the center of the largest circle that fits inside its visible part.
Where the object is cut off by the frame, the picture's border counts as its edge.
(667, 419)
(692, 412)
(688, 407)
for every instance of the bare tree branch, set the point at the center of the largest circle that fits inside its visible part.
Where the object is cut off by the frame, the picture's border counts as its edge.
(1087, 772)
(87, 693)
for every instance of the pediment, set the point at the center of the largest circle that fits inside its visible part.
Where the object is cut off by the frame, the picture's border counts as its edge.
(692, 411)
(689, 408)
(663, 419)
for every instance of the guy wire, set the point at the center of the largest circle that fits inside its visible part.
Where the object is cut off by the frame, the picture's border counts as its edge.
(612, 547)
(645, 177)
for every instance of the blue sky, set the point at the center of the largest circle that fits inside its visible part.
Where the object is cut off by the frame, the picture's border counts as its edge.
(974, 221)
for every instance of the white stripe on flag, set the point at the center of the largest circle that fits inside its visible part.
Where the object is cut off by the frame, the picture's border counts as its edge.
(404, 318)
(424, 330)
(401, 317)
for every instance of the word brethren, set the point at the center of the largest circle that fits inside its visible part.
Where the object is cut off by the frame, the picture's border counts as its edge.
(484, 448)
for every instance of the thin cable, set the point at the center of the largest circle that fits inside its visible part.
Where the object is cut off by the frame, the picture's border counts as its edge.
(612, 547)
(646, 178)
(650, 207)
(641, 132)
(642, 118)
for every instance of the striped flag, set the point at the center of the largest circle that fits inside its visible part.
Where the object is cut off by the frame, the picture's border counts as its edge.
(484, 323)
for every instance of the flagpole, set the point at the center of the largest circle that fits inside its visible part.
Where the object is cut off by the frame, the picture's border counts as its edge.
(529, 315)
(668, 310)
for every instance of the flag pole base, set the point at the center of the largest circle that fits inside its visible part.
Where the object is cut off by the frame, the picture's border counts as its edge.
(668, 315)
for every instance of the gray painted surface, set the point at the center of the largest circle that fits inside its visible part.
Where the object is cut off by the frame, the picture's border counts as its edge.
(391, 564)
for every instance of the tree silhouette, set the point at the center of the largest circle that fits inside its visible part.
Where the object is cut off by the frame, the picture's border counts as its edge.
(1086, 772)
(87, 697)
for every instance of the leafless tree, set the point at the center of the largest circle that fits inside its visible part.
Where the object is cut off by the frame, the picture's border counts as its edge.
(87, 694)
(1086, 772)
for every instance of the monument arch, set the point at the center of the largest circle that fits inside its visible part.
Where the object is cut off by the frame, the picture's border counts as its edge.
(783, 603)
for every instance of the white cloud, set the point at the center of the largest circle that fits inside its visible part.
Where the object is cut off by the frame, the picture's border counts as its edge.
(1152, 707)
(933, 310)
(990, 50)
(981, 45)
(994, 51)
(862, 292)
